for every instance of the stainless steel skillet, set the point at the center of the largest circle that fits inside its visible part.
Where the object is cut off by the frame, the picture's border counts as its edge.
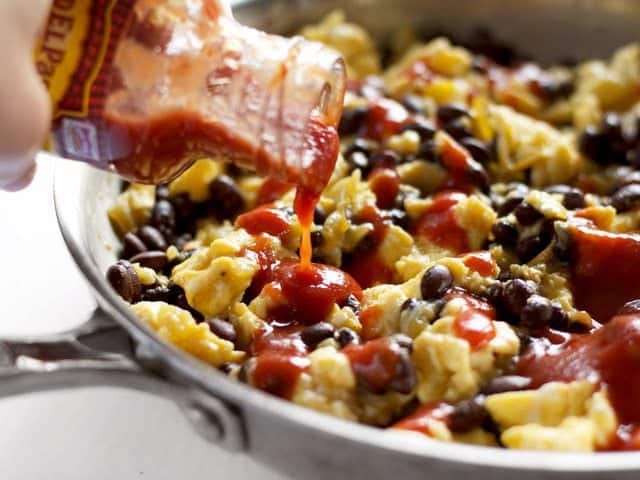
(114, 348)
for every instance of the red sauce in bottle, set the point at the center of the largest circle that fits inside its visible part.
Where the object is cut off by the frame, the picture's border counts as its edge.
(271, 190)
(604, 270)
(438, 223)
(374, 363)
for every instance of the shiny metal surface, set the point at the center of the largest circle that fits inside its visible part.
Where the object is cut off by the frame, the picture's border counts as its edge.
(297, 441)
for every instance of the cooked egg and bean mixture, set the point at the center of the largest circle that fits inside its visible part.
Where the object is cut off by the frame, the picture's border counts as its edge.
(476, 256)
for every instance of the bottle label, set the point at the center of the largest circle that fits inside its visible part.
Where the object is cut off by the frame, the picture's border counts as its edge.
(74, 57)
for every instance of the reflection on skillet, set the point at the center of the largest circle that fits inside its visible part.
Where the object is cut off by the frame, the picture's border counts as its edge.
(475, 253)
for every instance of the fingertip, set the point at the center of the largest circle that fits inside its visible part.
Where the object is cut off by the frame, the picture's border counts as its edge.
(16, 175)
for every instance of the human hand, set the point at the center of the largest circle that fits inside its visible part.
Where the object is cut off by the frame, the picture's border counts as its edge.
(24, 103)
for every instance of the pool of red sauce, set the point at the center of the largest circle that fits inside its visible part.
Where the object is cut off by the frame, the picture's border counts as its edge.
(438, 223)
(481, 262)
(608, 356)
(374, 363)
(604, 270)
(303, 295)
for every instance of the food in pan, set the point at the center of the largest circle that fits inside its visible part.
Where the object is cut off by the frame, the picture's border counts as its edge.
(475, 255)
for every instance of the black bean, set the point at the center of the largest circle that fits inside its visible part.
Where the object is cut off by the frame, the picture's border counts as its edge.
(562, 245)
(225, 197)
(458, 129)
(317, 238)
(633, 157)
(404, 380)
(222, 329)
(182, 240)
(505, 233)
(515, 294)
(227, 367)
(352, 302)
(506, 383)
(155, 259)
(435, 282)
(352, 120)
(358, 160)
(526, 214)
(400, 218)
(626, 198)
(124, 280)
(630, 307)
(574, 200)
(559, 318)
(427, 151)
(509, 204)
(345, 336)
(404, 341)
(160, 293)
(423, 127)
(314, 334)
(494, 294)
(451, 111)
(593, 144)
(612, 126)
(361, 145)
(413, 103)
(163, 217)
(152, 238)
(132, 245)
(529, 246)
(467, 415)
(409, 304)
(186, 211)
(478, 150)
(162, 192)
(478, 176)
(319, 215)
(553, 89)
(537, 312)
(385, 158)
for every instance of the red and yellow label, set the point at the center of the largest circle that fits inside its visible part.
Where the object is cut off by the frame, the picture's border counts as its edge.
(74, 57)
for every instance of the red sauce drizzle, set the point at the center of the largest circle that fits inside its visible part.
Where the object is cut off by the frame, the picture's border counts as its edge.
(374, 363)
(417, 421)
(604, 270)
(459, 164)
(438, 223)
(474, 321)
(609, 356)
